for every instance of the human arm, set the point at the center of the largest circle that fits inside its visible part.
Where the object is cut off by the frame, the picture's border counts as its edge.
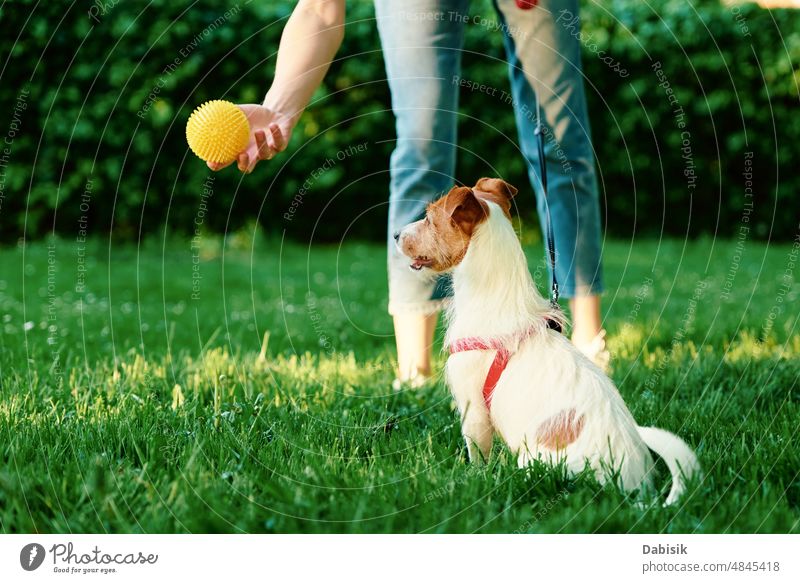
(309, 42)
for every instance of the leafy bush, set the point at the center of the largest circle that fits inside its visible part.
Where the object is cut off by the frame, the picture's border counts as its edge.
(734, 72)
(98, 140)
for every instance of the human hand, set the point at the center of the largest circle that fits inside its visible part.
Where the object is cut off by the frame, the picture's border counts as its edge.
(269, 134)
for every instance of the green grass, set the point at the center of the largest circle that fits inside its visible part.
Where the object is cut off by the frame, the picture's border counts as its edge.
(161, 416)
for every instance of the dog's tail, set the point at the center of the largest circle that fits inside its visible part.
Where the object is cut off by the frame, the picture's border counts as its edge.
(679, 457)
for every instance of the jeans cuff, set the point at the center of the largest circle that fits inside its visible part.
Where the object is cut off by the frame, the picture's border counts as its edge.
(580, 291)
(424, 308)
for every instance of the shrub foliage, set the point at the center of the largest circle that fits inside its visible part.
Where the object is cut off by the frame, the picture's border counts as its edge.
(691, 106)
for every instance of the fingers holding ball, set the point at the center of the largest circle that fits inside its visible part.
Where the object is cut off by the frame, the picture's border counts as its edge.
(217, 132)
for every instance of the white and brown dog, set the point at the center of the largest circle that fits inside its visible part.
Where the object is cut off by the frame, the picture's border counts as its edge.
(508, 371)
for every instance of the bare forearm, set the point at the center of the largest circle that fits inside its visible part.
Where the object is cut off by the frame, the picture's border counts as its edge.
(309, 42)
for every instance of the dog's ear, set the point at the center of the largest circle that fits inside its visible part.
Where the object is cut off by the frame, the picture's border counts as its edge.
(497, 191)
(497, 187)
(466, 210)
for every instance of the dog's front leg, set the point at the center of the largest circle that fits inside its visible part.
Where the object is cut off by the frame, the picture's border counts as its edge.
(476, 427)
(466, 384)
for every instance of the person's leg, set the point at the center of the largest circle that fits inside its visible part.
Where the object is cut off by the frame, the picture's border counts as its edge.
(586, 319)
(414, 338)
(421, 42)
(544, 59)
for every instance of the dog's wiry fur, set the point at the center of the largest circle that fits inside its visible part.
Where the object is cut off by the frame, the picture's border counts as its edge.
(551, 402)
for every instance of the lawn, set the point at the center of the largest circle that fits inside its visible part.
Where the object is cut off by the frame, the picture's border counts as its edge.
(138, 394)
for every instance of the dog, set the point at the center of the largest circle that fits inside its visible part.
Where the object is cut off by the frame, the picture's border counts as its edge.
(509, 370)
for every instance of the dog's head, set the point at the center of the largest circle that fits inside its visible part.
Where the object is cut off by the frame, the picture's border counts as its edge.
(440, 240)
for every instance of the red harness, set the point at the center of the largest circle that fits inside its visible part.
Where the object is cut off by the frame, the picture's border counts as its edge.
(500, 359)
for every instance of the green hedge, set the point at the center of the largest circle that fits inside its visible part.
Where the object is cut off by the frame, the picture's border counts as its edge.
(98, 139)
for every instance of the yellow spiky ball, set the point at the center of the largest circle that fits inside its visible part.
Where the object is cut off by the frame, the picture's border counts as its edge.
(217, 131)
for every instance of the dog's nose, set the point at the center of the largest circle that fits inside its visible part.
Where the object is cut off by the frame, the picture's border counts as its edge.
(396, 235)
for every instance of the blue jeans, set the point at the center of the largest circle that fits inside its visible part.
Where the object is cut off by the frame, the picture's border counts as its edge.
(422, 42)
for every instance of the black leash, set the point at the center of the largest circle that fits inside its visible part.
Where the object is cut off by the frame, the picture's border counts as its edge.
(551, 241)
